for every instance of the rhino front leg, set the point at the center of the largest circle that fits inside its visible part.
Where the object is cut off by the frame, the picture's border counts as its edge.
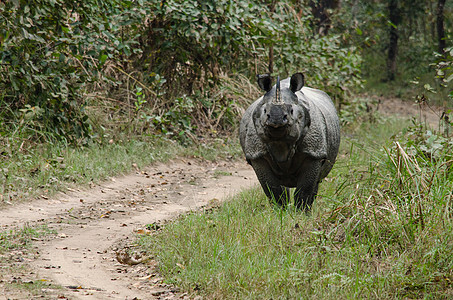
(270, 183)
(276, 194)
(307, 186)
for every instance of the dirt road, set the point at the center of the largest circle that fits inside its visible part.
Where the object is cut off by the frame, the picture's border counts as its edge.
(95, 226)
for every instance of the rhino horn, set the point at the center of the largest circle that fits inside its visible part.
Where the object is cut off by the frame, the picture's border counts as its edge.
(278, 98)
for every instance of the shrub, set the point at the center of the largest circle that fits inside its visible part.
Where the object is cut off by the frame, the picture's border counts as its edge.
(149, 58)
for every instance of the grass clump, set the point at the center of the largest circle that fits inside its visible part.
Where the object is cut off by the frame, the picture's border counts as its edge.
(382, 227)
(22, 238)
(29, 171)
(16, 248)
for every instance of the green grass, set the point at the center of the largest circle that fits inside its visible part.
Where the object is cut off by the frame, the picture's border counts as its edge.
(22, 238)
(28, 172)
(381, 228)
(15, 249)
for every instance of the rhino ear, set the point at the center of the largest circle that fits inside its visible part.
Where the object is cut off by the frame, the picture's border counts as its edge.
(265, 82)
(297, 82)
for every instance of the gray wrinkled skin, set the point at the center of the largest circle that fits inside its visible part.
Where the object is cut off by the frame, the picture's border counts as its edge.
(292, 142)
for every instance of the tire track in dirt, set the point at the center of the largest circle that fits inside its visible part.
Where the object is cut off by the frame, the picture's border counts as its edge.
(94, 224)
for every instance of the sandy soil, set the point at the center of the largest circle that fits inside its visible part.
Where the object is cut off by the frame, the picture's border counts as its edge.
(409, 109)
(96, 226)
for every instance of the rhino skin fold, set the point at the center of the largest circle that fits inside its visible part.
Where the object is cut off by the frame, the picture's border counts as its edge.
(290, 136)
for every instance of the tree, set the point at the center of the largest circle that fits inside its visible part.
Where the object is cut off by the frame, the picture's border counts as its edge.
(394, 20)
(440, 27)
(271, 47)
(322, 10)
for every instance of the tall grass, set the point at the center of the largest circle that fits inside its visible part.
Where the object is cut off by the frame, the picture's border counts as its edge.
(381, 228)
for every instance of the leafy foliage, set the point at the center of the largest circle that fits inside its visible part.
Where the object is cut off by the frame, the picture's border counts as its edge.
(74, 71)
(366, 24)
(50, 52)
(441, 93)
(159, 60)
(425, 144)
(358, 110)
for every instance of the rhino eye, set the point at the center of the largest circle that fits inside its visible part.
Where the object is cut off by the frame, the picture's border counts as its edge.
(265, 111)
(292, 111)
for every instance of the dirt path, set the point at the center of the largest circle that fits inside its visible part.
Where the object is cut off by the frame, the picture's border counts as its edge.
(409, 109)
(96, 224)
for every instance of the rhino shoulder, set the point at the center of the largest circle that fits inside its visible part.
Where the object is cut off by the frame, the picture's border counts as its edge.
(318, 139)
(314, 143)
(319, 98)
(251, 143)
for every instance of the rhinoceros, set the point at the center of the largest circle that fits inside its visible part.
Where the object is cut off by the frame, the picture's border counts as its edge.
(291, 137)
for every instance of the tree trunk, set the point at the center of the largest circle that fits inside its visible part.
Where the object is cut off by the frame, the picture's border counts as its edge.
(394, 18)
(271, 59)
(440, 27)
(271, 47)
(321, 10)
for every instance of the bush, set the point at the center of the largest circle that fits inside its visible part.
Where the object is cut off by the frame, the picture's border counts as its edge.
(52, 53)
(155, 61)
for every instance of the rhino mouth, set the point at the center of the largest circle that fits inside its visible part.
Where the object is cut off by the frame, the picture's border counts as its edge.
(276, 132)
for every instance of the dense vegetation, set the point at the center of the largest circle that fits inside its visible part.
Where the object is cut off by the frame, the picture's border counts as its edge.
(111, 74)
(82, 71)
(150, 65)
(103, 72)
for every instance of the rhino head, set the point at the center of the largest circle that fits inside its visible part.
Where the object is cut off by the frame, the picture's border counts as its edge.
(281, 116)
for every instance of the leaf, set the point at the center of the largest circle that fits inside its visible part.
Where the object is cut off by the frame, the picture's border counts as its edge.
(429, 88)
(62, 57)
(103, 58)
(391, 24)
(449, 78)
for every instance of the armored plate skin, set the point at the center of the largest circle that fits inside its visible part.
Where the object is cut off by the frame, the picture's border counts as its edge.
(291, 137)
